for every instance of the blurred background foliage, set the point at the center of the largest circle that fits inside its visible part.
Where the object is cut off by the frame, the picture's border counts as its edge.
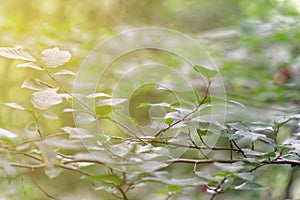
(254, 43)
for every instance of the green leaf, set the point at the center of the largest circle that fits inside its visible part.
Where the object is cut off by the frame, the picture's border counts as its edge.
(281, 123)
(103, 110)
(174, 188)
(31, 127)
(281, 148)
(54, 57)
(107, 178)
(271, 154)
(189, 96)
(16, 53)
(164, 192)
(142, 105)
(209, 73)
(283, 120)
(134, 121)
(171, 188)
(202, 132)
(169, 121)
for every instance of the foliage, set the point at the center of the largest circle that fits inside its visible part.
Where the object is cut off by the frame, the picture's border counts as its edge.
(58, 143)
(119, 164)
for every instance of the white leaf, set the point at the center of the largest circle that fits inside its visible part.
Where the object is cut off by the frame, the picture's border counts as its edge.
(30, 85)
(65, 72)
(121, 149)
(151, 166)
(30, 65)
(95, 95)
(15, 105)
(142, 149)
(54, 57)
(45, 99)
(16, 53)
(180, 137)
(84, 118)
(9, 170)
(77, 132)
(68, 110)
(49, 115)
(36, 84)
(111, 102)
(52, 172)
(49, 155)
(7, 134)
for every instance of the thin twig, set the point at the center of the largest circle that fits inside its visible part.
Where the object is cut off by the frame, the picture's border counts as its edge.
(187, 115)
(195, 145)
(42, 189)
(218, 190)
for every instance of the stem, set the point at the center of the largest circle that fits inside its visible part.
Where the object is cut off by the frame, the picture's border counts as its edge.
(217, 189)
(187, 115)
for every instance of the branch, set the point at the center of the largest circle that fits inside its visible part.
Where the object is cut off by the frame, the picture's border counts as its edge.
(195, 161)
(166, 142)
(29, 166)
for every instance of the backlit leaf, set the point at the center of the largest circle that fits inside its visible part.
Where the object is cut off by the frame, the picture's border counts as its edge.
(16, 53)
(103, 110)
(7, 134)
(96, 95)
(45, 99)
(107, 178)
(64, 72)
(14, 105)
(30, 65)
(52, 172)
(84, 118)
(77, 132)
(150, 166)
(111, 102)
(49, 115)
(49, 155)
(54, 57)
(209, 73)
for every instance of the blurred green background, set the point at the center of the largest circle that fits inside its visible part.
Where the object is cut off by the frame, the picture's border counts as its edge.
(250, 41)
